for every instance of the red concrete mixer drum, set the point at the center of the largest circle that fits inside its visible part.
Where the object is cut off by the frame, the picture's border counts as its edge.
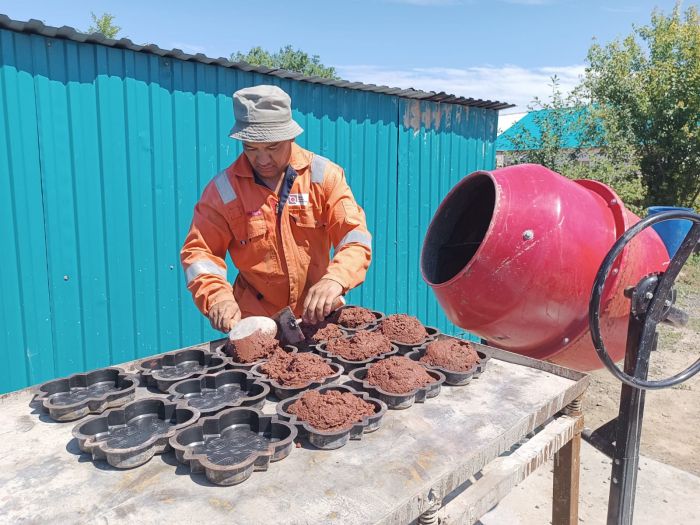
(511, 255)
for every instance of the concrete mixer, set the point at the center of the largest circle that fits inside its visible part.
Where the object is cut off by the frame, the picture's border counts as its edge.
(511, 255)
(546, 267)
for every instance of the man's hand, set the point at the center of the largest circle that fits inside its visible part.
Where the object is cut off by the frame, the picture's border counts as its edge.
(320, 299)
(224, 315)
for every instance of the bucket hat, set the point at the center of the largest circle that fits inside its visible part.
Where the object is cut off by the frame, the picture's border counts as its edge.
(263, 114)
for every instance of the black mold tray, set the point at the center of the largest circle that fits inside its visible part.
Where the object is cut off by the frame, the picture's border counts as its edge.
(229, 446)
(398, 401)
(283, 392)
(164, 371)
(76, 396)
(129, 436)
(326, 439)
(452, 377)
(212, 393)
(347, 364)
(378, 316)
(235, 365)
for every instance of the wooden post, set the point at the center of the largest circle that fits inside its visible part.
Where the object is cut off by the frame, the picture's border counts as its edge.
(567, 466)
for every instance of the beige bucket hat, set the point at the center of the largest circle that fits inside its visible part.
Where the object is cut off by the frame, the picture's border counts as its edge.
(263, 114)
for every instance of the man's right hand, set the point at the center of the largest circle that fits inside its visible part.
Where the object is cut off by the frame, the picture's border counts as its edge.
(223, 316)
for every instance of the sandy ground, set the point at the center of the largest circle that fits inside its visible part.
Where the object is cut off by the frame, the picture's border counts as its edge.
(670, 429)
(664, 495)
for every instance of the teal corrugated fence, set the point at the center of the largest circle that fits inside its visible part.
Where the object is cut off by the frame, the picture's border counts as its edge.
(103, 154)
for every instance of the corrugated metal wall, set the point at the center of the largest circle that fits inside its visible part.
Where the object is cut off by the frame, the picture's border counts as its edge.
(103, 154)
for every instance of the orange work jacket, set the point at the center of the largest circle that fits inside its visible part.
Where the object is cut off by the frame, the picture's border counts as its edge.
(278, 259)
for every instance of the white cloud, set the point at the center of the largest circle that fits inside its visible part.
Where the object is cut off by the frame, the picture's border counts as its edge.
(188, 48)
(509, 83)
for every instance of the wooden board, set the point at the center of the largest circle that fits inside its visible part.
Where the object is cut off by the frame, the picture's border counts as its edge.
(389, 477)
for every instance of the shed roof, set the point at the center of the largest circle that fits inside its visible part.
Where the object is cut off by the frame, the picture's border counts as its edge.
(532, 124)
(39, 28)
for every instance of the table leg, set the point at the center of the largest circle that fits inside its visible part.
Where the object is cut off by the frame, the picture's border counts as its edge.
(567, 465)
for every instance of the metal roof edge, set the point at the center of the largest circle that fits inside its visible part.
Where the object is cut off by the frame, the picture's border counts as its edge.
(39, 28)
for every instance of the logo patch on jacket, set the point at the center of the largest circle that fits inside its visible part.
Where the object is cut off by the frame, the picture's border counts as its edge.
(298, 199)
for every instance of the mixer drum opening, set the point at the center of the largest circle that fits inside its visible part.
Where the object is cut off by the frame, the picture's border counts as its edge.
(458, 228)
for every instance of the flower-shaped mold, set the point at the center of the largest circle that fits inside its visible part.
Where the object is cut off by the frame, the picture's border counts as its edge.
(348, 364)
(377, 315)
(75, 396)
(164, 371)
(398, 401)
(212, 393)
(235, 365)
(332, 439)
(452, 377)
(229, 446)
(129, 436)
(283, 392)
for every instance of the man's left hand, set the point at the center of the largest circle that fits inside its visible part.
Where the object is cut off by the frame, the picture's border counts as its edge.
(319, 301)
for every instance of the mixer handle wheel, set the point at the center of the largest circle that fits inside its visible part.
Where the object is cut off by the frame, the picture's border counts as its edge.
(657, 307)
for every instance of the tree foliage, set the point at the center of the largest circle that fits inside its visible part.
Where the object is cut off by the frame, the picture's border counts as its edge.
(286, 58)
(570, 141)
(645, 89)
(547, 143)
(104, 24)
(642, 100)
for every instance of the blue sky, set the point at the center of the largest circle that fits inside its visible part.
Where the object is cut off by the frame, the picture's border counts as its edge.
(493, 49)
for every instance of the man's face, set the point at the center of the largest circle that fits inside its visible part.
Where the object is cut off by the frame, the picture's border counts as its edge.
(269, 159)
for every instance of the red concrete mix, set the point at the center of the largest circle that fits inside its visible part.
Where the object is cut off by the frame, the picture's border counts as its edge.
(331, 410)
(323, 331)
(458, 356)
(296, 369)
(362, 345)
(252, 348)
(353, 316)
(403, 328)
(398, 375)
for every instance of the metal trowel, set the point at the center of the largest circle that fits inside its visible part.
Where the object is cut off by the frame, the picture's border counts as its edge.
(284, 325)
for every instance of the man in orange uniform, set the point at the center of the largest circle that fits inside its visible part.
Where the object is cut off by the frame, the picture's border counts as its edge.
(277, 210)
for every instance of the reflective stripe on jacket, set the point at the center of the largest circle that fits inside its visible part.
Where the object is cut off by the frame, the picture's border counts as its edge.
(277, 261)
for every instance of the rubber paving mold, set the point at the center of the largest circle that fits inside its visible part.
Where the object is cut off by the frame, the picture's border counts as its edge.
(129, 436)
(78, 395)
(452, 377)
(397, 401)
(164, 371)
(329, 440)
(231, 445)
(212, 393)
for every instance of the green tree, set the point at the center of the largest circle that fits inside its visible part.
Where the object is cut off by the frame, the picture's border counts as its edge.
(104, 24)
(567, 137)
(286, 58)
(645, 90)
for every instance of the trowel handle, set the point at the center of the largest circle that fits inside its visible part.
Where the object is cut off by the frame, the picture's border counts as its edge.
(338, 303)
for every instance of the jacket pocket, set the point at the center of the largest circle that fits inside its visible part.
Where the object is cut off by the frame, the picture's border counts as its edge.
(306, 218)
(249, 229)
(252, 249)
